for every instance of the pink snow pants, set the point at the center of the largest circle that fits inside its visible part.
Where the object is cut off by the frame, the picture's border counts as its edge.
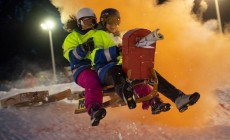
(89, 80)
(143, 90)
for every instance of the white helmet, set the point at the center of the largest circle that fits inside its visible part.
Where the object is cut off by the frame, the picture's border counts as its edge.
(85, 12)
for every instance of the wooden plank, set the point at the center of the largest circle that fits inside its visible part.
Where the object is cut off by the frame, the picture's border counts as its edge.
(25, 98)
(59, 96)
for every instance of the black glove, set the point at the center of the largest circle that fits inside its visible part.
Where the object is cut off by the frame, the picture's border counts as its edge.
(88, 46)
(119, 50)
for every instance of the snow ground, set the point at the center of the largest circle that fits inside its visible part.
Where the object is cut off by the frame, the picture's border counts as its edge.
(57, 121)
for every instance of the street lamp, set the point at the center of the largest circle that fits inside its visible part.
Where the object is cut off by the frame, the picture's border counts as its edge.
(218, 15)
(48, 25)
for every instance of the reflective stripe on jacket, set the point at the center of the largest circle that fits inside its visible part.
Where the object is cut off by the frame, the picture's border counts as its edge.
(78, 59)
(104, 55)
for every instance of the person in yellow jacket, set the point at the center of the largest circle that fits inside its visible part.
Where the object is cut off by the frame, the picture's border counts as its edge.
(76, 48)
(106, 59)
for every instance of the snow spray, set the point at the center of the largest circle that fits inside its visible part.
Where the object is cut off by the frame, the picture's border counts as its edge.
(191, 56)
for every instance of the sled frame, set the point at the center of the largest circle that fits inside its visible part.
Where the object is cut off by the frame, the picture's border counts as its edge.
(116, 101)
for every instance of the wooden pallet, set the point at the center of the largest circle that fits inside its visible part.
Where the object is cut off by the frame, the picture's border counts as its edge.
(26, 98)
(34, 98)
(59, 96)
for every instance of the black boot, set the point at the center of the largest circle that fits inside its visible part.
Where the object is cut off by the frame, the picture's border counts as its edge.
(115, 76)
(159, 106)
(97, 114)
(128, 95)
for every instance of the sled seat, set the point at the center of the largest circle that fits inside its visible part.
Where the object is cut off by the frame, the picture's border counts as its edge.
(110, 91)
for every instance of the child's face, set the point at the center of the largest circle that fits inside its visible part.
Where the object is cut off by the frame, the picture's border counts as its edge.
(112, 24)
(112, 28)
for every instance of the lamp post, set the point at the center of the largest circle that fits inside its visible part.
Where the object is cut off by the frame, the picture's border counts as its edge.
(48, 25)
(218, 16)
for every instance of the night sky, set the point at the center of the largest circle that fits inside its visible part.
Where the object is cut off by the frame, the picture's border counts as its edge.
(210, 13)
(25, 46)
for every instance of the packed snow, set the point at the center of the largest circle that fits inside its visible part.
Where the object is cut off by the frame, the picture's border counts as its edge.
(57, 121)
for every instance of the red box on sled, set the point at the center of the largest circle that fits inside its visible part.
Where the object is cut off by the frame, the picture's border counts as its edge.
(137, 62)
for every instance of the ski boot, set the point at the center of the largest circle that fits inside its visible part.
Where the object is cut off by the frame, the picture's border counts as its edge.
(97, 113)
(128, 95)
(183, 101)
(158, 106)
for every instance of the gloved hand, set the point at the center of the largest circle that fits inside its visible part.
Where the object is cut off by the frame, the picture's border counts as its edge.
(118, 49)
(88, 46)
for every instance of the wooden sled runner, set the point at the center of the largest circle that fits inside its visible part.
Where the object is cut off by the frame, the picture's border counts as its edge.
(138, 51)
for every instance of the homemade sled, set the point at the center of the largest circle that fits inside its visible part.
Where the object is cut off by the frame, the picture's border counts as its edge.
(138, 51)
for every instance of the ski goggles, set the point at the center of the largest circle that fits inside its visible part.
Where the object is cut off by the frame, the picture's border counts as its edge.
(87, 20)
(113, 20)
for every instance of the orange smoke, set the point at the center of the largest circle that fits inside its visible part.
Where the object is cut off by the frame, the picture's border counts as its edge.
(191, 57)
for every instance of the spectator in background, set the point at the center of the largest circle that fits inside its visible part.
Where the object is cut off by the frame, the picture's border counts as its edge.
(29, 81)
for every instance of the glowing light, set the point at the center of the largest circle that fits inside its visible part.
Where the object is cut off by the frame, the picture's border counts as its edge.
(48, 25)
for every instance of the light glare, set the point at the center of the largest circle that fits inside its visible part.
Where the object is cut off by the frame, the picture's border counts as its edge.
(48, 25)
